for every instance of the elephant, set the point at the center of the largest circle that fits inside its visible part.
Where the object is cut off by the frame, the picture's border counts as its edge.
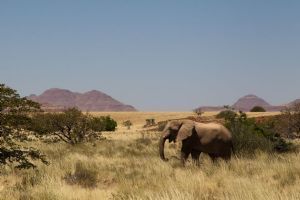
(211, 138)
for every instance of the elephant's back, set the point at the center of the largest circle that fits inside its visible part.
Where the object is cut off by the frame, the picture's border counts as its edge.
(214, 138)
(209, 131)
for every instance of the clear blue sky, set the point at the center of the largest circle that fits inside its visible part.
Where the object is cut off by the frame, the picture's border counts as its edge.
(155, 55)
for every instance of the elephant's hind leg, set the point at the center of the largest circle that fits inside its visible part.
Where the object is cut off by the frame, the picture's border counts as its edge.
(184, 157)
(213, 157)
(196, 156)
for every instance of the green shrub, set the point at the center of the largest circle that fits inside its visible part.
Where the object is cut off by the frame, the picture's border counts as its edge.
(103, 124)
(288, 122)
(257, 109)
(249, 136)
(268, 128)
(227, 114)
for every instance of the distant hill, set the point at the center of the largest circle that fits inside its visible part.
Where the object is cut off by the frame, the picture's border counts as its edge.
(245, 104)
(56, 99)
(293, 102)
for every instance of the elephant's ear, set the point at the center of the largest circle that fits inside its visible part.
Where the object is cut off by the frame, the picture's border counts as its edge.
(185, 131)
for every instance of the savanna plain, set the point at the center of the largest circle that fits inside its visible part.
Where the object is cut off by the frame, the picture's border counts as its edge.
(126, 165)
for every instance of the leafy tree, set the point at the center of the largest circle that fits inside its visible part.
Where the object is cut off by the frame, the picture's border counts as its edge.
(257, 109)
(72, 126)
(128, 124)
(14, 118)
(149, 122)
(198, 111)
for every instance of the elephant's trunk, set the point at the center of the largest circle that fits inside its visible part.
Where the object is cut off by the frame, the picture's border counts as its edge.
(162, 147)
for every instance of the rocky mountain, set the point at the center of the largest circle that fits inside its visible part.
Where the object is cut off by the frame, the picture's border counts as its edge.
(293, 102)
(245, 104)
(56, 99)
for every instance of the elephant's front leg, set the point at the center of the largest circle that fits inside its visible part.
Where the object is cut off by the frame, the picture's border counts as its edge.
(185, 152)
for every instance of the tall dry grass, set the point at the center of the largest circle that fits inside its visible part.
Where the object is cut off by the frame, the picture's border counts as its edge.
(127, 166)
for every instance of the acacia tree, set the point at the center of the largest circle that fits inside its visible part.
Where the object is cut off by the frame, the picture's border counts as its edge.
(128, 124)
(72, 126)
(14, 117)
(198, 111)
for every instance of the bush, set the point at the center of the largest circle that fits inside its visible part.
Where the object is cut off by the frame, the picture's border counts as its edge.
(249, 136)
(268, 129)
(72, 126)
(288, 123)
(103, 124)
(227, 114)
(257, 109)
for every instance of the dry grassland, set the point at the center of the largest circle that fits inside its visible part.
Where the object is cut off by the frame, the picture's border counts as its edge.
(138, 118)
(126, 166)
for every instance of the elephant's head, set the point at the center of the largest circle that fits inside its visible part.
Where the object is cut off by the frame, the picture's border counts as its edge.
(175, 131)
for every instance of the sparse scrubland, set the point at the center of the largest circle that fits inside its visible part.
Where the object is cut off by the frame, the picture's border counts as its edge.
(127, 166)
(53, 156)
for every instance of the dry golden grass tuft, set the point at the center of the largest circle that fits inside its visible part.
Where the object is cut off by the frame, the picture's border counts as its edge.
(127, 166)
